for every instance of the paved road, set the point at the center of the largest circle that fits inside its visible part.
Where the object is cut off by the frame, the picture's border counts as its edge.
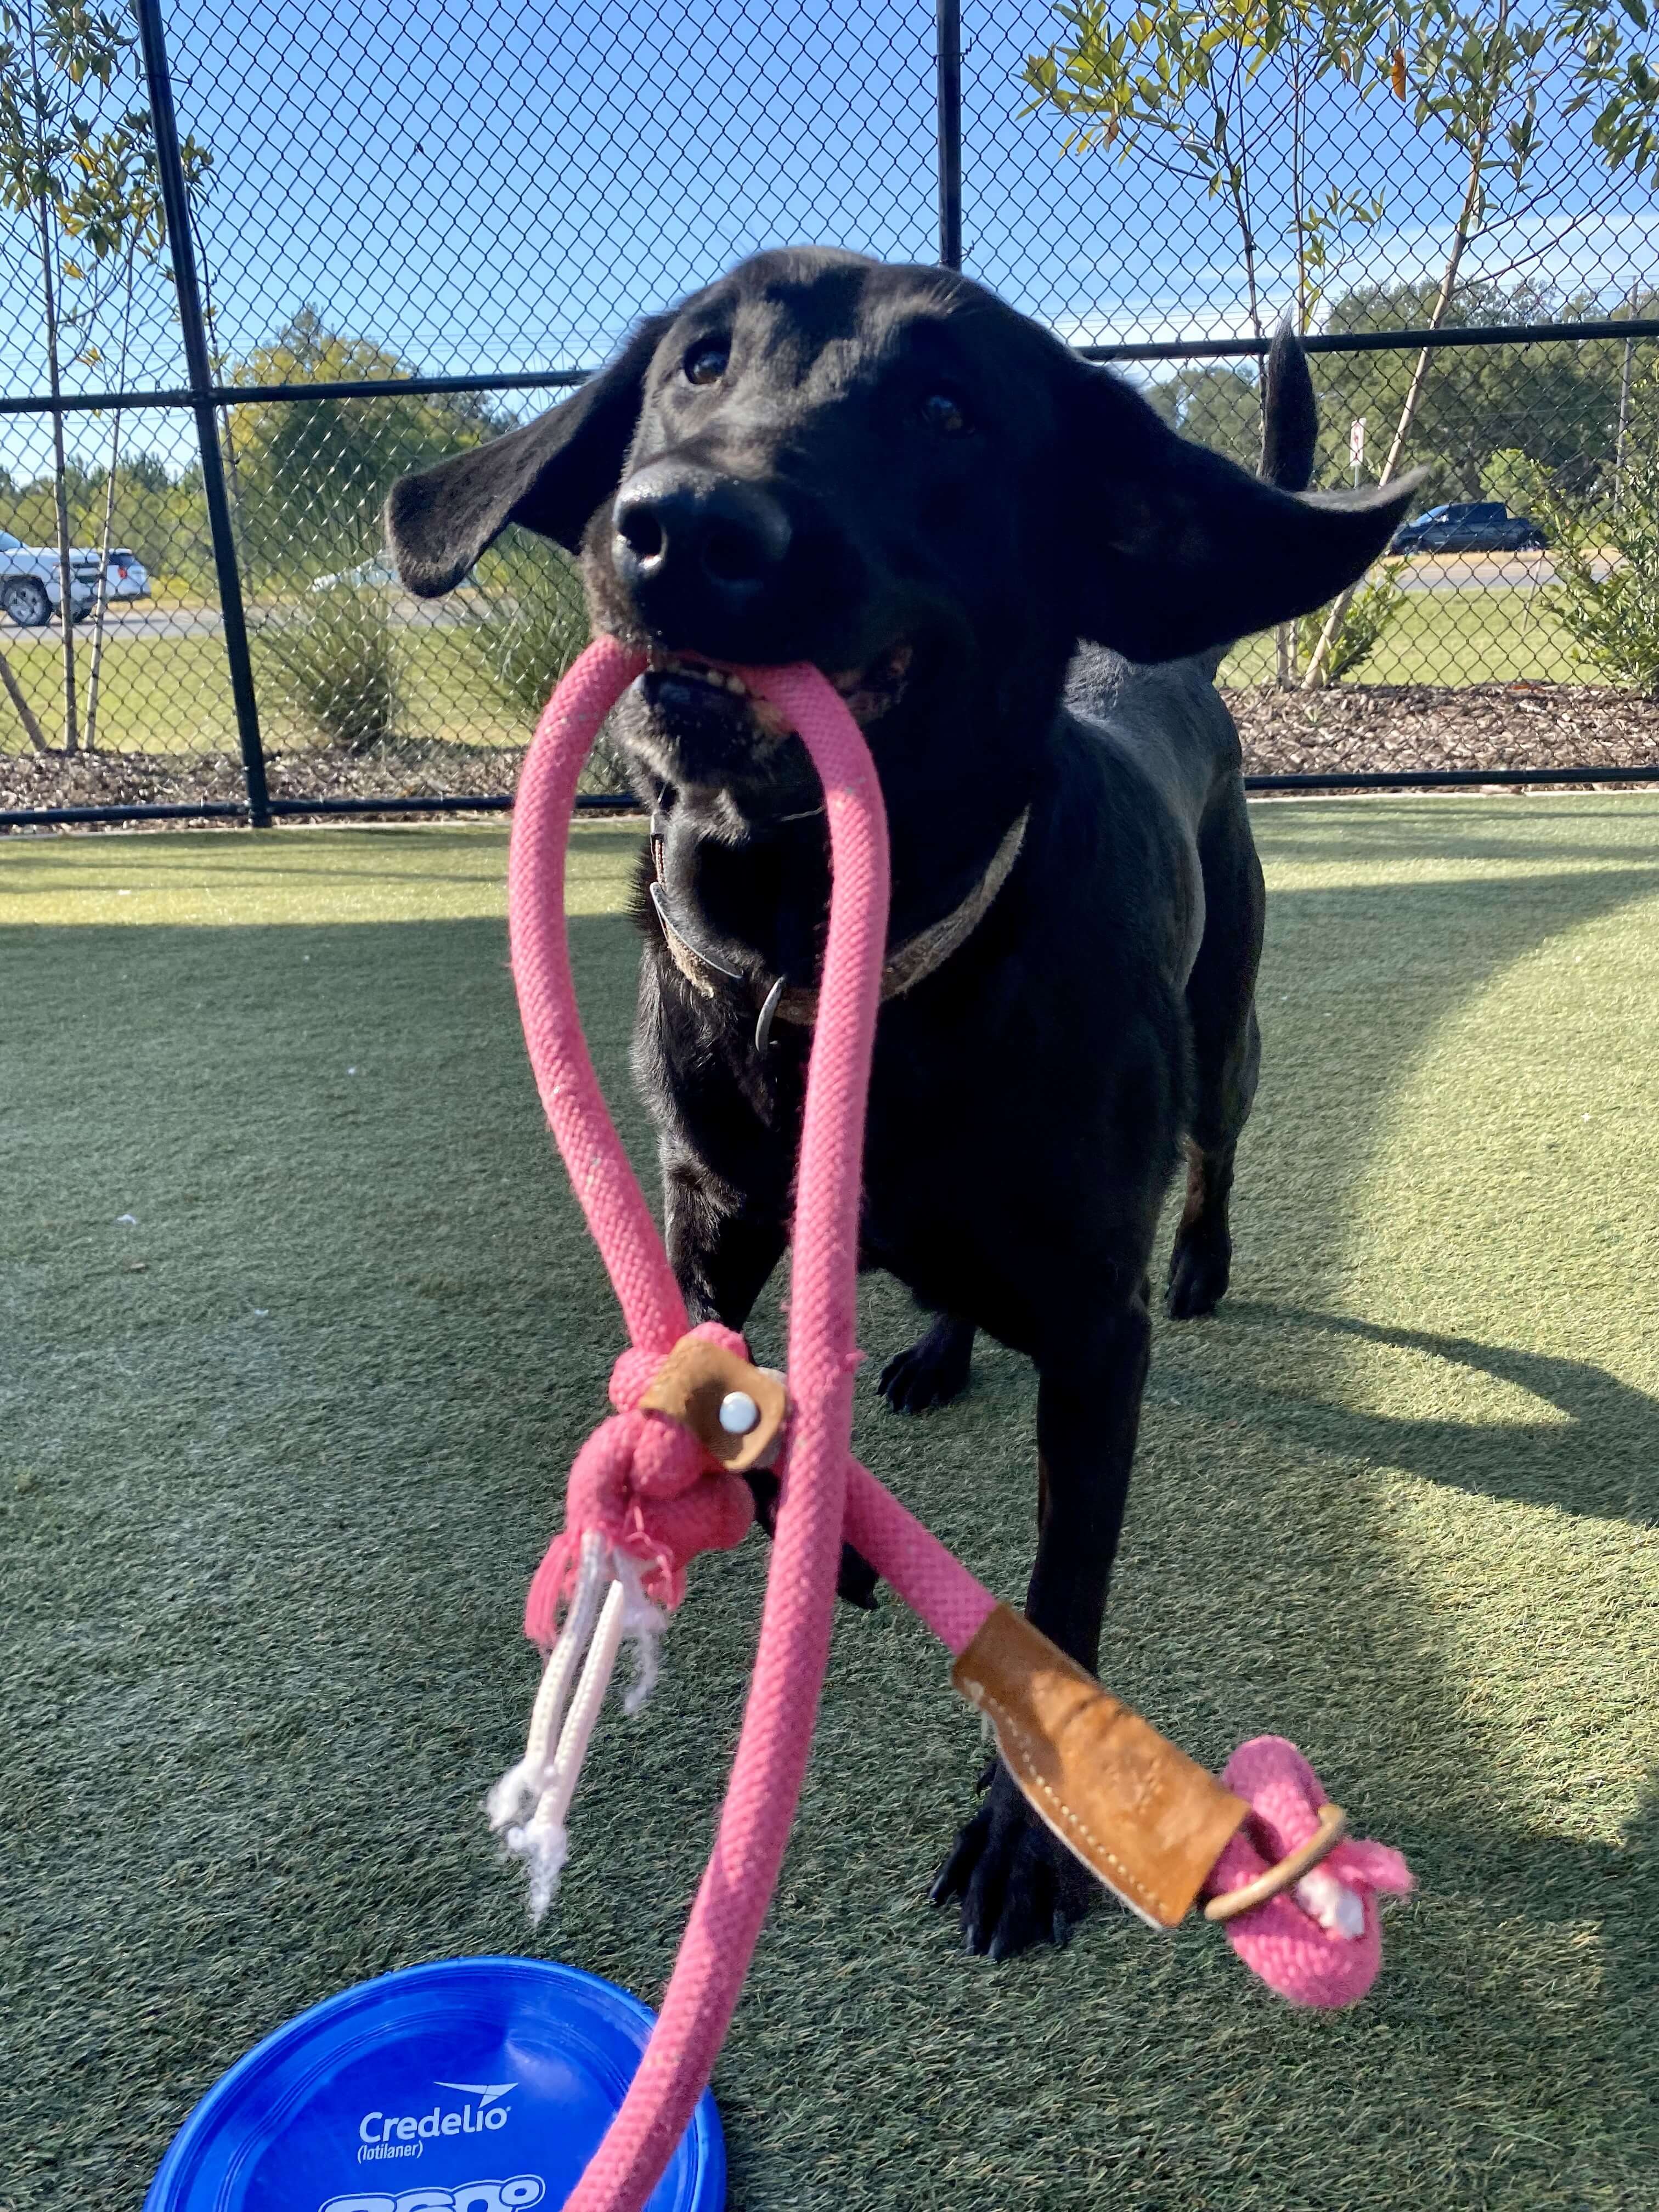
(158, 622)
(148, 620)
(1458, 572)
(1429, 572)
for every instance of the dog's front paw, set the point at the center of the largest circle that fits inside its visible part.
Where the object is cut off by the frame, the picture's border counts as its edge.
(1199, 1269)
(932, 1371)
(1020, 1887)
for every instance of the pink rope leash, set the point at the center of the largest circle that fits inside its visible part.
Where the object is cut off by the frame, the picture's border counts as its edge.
(645, 1496)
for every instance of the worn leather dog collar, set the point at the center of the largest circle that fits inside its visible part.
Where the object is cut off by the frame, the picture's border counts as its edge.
(915, 959)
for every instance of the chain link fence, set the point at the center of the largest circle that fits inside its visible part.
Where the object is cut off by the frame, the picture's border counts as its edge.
(258, 259)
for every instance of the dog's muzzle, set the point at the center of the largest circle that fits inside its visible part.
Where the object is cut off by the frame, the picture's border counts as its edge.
(698, 552)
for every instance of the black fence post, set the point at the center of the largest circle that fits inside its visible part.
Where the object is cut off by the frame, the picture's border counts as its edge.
(948, 25)
(176, 204)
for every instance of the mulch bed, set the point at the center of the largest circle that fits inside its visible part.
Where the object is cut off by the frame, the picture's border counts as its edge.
(1372, 728)
(1355, 727)
(115, 779)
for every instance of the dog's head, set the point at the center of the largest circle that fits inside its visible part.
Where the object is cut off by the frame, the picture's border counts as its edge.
(887, 472)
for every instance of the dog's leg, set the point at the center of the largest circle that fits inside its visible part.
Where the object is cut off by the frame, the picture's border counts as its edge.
(1018, 1883)
(720, 1249)
(932, 1371)
(1226, 1056)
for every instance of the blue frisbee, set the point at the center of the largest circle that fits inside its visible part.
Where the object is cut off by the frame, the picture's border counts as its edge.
(473, 2085)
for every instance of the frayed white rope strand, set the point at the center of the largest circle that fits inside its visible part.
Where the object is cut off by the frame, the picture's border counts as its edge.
(584, 1712)
(608, 1608)
(544, 1845)
(643, 1623)
(594, 1581)
(521, 1785)
(544, 1841)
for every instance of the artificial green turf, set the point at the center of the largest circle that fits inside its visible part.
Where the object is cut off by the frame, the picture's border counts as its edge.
(279, 1453)
(1458, 633)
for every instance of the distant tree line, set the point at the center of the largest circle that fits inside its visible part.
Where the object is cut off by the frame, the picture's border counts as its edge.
(1482, 410)
(1567, 432)
(306, 477)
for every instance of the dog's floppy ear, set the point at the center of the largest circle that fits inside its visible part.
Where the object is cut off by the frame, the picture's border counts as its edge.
(549, 475)
(1174, 549)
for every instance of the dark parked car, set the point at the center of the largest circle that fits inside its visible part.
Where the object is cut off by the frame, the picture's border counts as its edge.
(1480, 526)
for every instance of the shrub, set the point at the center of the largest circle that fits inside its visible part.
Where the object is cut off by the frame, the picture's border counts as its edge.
(1371, 611)
(1523, 483)
(522, 626)
(332, 660)
(1612, 617)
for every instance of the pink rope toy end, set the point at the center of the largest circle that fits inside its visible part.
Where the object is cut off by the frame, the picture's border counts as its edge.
(643, 1500)
(1319, 1942)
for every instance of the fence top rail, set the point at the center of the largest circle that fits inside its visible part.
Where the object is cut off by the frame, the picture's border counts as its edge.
(262, 395)
(1472, 334)
(539, 379)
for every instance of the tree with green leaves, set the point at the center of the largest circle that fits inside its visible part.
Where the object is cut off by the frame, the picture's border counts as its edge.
(77, 165)
(1193, 82)
(1477, 75)
(313, 474)
(1195, 90)
(1558, 403)
(55, 55)
(120, 216)
(1610, 608)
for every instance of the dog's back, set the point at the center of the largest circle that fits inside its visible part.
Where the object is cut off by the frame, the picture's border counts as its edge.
(1168, 724)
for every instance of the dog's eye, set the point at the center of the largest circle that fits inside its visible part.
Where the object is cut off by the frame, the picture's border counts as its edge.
(940, 412)
(706, 362)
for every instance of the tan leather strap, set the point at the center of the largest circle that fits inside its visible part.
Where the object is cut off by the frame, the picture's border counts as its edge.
(1143, 1818)
(915, 959)
(697, 1381)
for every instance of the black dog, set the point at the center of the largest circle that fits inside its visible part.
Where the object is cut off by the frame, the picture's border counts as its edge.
(887, 472)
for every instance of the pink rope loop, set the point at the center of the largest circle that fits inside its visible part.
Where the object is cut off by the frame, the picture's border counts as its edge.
(650, 1488)
(599, 1172)
(794, 1635)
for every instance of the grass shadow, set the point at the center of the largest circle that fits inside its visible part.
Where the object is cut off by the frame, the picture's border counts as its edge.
(1598, 1459)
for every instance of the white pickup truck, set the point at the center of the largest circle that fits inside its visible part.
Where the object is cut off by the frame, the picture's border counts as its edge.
(29, 580)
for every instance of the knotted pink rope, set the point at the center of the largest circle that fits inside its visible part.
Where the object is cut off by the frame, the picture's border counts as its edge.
(1306, 1958)
(643, 1483)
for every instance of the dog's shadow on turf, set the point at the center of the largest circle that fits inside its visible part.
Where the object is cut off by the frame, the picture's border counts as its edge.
(1602, 1458)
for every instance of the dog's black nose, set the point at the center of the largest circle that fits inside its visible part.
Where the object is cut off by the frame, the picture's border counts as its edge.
(687, 542)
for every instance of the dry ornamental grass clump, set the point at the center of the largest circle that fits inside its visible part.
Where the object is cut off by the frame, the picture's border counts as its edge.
(333, 662)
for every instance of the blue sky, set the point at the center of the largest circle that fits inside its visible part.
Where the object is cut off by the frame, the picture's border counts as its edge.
(480, 188)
